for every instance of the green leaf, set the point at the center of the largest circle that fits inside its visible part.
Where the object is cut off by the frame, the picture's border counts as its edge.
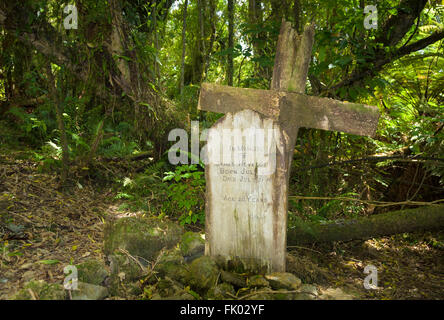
(343, 61)
(49, 261)
(122, 57)
(322, 54)
(15, 253)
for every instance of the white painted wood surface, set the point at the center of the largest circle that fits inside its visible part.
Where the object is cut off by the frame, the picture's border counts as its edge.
(246, 207)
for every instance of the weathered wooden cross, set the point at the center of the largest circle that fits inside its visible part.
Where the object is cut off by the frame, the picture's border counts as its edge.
(246, 213)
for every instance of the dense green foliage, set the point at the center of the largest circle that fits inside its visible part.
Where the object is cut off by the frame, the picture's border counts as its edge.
(115, 84)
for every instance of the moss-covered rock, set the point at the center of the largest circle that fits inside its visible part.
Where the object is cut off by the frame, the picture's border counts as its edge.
(141, 236)
(134, 288)
(173, 255)
(202, 274)
(124, 289)
(192, 244)
(124, 272)
(40, 290)
(283, 280)
(257, 281)
(236, 265)
(309, 290)
(233, 278)
(167, 287)
(221, 291)
(92, 271)
(125, 267)
(171, 264)
(88, 291)
(339, 294)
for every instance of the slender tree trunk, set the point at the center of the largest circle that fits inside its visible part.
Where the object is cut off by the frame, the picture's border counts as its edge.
(95, 143)
(201, 9)
(278, 9)
(255, 19)
(156, 42)
(182, 66)
(297, 15)
(230, 68)
(319, 178)
(61, 126)
(422, 218)
(212, 36)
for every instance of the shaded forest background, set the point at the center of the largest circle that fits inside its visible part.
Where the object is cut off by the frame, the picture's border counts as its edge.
(95, 104)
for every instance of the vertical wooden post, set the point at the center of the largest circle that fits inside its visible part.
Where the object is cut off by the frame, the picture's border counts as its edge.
(290, 72)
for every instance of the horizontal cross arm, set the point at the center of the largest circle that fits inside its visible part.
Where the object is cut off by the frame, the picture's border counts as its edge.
(224, 99)
(292, 109)
(329, 114)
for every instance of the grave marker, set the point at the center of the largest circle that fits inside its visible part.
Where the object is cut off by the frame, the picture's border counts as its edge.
(250, 149)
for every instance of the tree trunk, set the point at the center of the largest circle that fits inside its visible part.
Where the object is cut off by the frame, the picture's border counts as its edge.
(230, 70)
(201, 8)
(297, 15)
(255, 19)
(61, 126)
(184, 28)
(422, 218)
(279, 10)
(213, 22)
(156, 43)
(319, 179)
(95, 143)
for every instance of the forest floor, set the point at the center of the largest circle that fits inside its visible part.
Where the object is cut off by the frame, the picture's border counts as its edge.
(43, 229)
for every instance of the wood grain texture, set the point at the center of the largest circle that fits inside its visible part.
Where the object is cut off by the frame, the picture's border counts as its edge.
(246, 207)
(292, 109)
(292, 59)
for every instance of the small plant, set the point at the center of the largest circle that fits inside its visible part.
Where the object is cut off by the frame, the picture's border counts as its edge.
(186, 193)
(115, 146)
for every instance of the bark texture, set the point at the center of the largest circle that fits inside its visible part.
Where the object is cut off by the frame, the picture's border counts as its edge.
(422, 218)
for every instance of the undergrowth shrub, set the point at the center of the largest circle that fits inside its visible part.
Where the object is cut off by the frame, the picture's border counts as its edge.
(186, 193)
(179, 194)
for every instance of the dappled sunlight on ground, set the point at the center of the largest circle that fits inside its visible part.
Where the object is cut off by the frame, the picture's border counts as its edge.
(409, 266)
(44, 229)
